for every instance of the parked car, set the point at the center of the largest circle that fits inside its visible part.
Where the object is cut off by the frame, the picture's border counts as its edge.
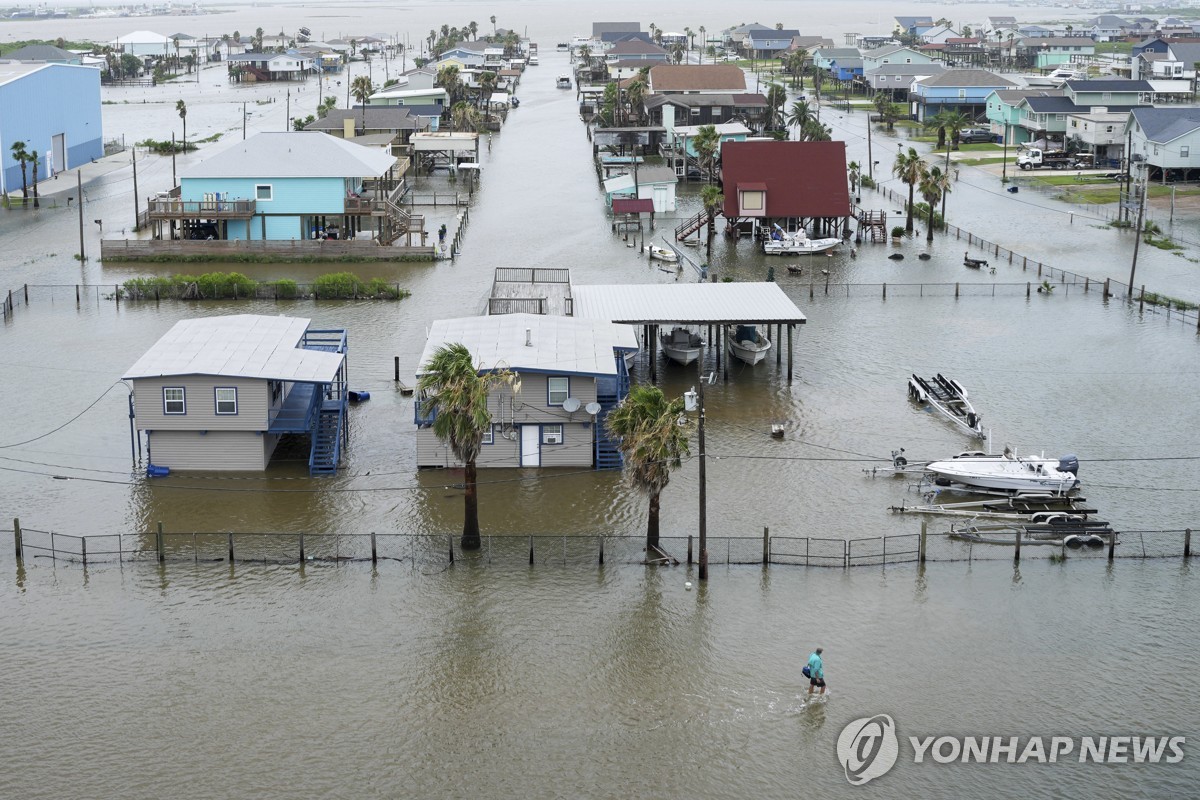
(974, 135)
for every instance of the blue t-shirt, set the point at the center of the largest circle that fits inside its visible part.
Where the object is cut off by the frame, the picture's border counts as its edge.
(815, 667)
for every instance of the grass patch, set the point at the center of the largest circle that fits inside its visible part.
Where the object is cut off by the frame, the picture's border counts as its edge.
(235, 285)
(977, 162)
(1161, 242)
(1166, 301)
(208, 139)
(1093, 196)
(980, 147)
(165, 147)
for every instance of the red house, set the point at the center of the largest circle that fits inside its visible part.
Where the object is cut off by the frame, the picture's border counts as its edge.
(790, 183)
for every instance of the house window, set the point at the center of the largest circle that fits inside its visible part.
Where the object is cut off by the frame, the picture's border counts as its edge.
(552, 434)
(558, 389)
(174, 401)
(1155, 149)
(226, 400)
(962, 94)
(262, 191)
(1110, 129)
(489, 435)
(695, 112)
(1183, 151)
(1107, 95)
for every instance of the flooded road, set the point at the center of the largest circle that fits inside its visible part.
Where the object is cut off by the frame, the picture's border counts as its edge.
(414, 679)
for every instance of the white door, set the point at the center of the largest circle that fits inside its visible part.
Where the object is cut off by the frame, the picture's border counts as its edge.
(531, 442)
(660, 199)
(58, 152)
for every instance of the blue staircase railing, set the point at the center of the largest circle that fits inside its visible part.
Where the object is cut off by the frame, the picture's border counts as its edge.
(326, 448)
(609, 392)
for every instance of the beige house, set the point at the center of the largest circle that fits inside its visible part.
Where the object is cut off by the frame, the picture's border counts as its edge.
(572, 372)
(218, 393)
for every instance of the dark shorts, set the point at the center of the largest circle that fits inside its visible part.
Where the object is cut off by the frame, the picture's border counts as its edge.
(817, 682)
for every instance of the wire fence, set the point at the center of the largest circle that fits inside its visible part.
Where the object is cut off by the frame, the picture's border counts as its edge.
(578, 550)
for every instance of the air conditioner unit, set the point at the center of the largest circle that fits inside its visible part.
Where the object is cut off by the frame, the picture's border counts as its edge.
(553, 438)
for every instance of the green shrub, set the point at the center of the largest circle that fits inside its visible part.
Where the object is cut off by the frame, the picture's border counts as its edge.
(337, 284)
(284, 288)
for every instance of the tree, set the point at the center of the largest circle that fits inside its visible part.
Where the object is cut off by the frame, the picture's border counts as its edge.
(487, 85)
(966, 32)
(464, 116)
(889, 112)
(796, 63)
(677, 52)
(175, 41)
(21, 156)
(181, 108)
(456, 394)
(714, 201)
(776, 97)
(703, 42)
(256, 41)
(131, 65)
(690, 36)
(473, 28)
(814, 131)
(934, 183)
(362, 89)
(585, 55)
(493, 21)
(33, 159)
(707, 144)
(854, 171)
(908, 169)
(652, 442)
(799, 115)
(447, 78)
(635, 94)
(939, 121)
(955, 121)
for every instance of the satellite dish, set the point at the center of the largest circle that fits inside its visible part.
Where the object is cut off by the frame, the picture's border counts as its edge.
(592, 408)
(571, 405)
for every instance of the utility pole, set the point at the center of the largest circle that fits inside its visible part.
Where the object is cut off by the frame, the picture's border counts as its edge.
(136, 206)
(79, 185)
(1004, 166)
(1137, 231)
(174, 183)
(243, 122)
(287, 123)
(870, 162)
(703, 572)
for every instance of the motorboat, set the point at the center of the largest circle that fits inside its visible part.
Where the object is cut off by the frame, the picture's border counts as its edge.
(564, 82)
(948, 397)
(782, 243)
(746, 343)
(681, 345)
(1008, 472)
(661, 253)
(1056, 78)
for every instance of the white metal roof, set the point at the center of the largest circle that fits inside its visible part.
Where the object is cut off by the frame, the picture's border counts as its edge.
(723, 128)
(689, 303)
(237, 346)
(557, 344)
(13, 70)
(294, 154)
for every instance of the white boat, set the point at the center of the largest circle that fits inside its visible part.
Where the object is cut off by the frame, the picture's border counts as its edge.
(1009, 472)
(681, 345)
(533, 61)
(948, 397)
(660, 253)
(564, 82)
(746, 343)
(1056, 78)
(782, 243)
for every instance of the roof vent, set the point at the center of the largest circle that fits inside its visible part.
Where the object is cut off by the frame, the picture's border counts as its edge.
(528, 337)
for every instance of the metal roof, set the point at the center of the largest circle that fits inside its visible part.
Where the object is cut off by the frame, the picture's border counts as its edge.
(296, 154)
(686, 303)
(1167, 124)
(237, 346)
(555, 344)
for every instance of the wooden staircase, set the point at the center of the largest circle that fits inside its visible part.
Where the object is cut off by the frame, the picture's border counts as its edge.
(690, 226)
(874, 223)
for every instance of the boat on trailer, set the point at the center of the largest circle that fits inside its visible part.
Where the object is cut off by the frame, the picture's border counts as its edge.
(746, 343)
(681, 345)
(782, 243)
(1008, 473)
(948, 397)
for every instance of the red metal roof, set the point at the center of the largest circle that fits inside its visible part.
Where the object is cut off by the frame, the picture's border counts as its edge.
(632, 206)
(802, 179)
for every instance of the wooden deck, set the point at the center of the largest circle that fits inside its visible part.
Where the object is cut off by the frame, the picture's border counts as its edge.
(192, 209)
(522, 290)
(287, 250)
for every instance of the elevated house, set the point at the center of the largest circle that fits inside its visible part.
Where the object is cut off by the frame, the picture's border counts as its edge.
(824, 58)
(669, 110)
(399, 121)
(44, 53)
(1048, 118)
(1106, 28)
(697, 79)
(1174, 60)
(964, 90)
(792, 184)
(893, 54)
(601, 28)
(736, 37)
(143, 44)
(1165, 142)
(909, 25)
(1048, 53)
(898, 79)
(644, 183)
(55, 110)
(400, 96)
(572, 374)
(1004, 112)
(288, 186)
(762, 44)
(636, 49)
(267, 67)
(218, 393)
(1100, 133)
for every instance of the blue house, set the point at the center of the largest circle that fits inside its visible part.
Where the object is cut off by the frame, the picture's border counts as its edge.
(55, 110)
(964, 90)
(769, 43)
(279, 186)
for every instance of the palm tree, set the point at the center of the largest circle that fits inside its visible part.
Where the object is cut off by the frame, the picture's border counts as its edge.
(181, 108)
(691, 37)
(889, 112)
(854, 170)
(814, 131)
(493, 21)
(799, 115)
(635, 93)
(456, 394)
(703, 42)
(933, 184)
(776, 97)
(908, 169)
(33, 159)
(677, 52)
(652, 442)
(707, 144)
(939, 121)
(447, 78)
(713, 201)
(795, 64)
(487, 85)
(21, 156)
(473, 27)
(955, 121)
(362, 88)
(585, 55)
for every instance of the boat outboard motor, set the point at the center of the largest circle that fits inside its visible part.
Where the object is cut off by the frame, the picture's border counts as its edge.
(1069, 463)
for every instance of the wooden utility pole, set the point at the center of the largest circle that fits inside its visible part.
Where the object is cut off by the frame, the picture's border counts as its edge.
(1137, 231)
(136, 206)
(79, 186)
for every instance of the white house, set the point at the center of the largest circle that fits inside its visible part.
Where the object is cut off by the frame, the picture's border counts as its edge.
(1165, 142)
(144, 43)
(651, 183)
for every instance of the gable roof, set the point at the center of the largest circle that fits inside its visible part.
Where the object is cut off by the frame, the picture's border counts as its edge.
(687, 303)
(967, 77)
(907, 69)
(838, 52)
(804, 179)
(562, 345)
(1055, 41)
(810, 42)
(713, 99)
(635, 47)
(885, 50)
(394, 118)
(772, 33)
(687, 77)
(1187, 52)
(615, 27)
(237, 346)
(1014, 96)
(1166, 124)
(41, 52)
(302, 154)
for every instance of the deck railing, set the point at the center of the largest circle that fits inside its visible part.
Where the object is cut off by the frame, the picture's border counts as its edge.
(201, 209)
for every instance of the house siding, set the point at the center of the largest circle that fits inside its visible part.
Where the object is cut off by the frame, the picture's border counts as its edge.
(215, 450)
(200, 399)
(291, 198)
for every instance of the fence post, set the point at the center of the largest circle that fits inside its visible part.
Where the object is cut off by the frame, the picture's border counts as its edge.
(1106, 294)
(885, 291)
(301, 548)
(689, 549)
(1141, 297)
(374, 552)
(83, 549)
(1017, 548)
(921, 548)
(1028, 287)
(396, 367)
(158, 543)
(956, 290)
(601, 551)
(230, 535)
(1112, 546)
(766, 545)
(17, 537)
(27, 294)
(1187, 543)
(531, 550)
(1085, 284)
(450, 541)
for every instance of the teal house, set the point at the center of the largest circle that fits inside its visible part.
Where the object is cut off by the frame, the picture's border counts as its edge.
(1004, 111)
(280, 186)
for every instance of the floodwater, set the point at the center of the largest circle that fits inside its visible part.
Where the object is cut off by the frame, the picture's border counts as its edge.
(414, 679)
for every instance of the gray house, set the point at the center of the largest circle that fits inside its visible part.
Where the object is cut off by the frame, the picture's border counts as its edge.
(572, 373)
(218, 393)
(1162, 141)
